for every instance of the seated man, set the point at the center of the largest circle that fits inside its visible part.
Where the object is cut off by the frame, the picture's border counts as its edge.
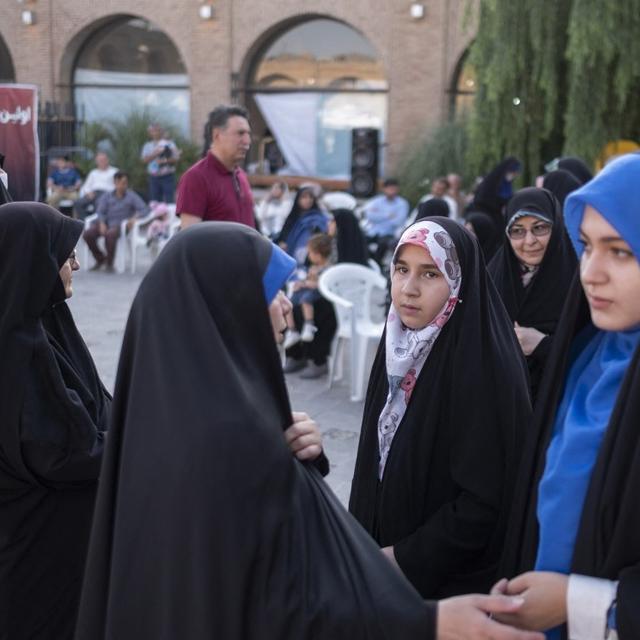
(114, 207)
(98, 182)
(63, 183)
(386, 214)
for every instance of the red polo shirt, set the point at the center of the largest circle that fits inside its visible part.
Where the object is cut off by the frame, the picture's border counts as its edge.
(209, 190)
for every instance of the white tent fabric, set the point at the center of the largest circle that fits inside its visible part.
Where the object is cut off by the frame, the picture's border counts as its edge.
(313, 130)
(292, 120)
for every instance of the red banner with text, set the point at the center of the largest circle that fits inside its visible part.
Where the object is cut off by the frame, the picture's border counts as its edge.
(19, 139)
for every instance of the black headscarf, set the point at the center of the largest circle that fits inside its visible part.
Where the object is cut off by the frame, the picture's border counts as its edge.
(561, 183)
(206, 526)
(432, 207)
(539, 304)
(53, 412)
(444, 499)
(352, 245)
(577, 167)
(485, 231)
(491, 196)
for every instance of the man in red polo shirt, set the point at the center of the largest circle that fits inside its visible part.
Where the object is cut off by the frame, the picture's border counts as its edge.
(216, 188)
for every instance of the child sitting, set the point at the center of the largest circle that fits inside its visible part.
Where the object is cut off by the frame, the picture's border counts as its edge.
(158, 230)
(306, 291)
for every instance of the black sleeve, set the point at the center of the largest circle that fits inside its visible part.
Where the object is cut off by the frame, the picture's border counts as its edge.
(432, 612)
(321, 463)
(536, 363)
(60, 467)
(60, 444)
(446, 543)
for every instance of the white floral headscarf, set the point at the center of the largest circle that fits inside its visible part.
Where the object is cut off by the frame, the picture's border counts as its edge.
(407, 349)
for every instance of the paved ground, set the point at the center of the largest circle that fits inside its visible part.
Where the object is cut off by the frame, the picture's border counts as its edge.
(100, 305)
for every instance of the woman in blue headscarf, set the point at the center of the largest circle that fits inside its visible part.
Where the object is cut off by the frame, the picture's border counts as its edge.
(306, 219)
(575, 526)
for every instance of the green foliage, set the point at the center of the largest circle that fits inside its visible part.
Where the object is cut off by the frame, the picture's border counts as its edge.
(123, 140)
(441, 151)
(573, 66)
(604, 87)
(518, 55)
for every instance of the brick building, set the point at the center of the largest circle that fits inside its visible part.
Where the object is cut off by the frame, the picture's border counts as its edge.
(307, 76)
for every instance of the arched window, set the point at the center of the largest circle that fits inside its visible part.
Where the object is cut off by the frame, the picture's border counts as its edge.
(309, 87)
(7, 74)
(130, 64)
(463, 89)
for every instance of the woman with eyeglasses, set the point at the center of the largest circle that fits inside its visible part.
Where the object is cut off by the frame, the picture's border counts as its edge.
(54, 412)
(533, 271)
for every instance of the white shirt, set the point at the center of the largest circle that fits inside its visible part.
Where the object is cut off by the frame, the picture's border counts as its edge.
(99, 180)
(588, 601)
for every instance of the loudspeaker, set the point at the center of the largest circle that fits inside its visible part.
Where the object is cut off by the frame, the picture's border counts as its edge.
(364, 162)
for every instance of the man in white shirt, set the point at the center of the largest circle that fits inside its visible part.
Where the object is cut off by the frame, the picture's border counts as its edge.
(98, 182)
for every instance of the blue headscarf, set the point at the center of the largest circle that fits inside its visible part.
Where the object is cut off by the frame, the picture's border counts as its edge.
(278, 271)
(615, 194)
(594, 379)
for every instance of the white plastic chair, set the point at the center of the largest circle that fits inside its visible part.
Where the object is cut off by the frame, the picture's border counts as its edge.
(339, 200)
(350, 287)
(137, 237)
(120, 247)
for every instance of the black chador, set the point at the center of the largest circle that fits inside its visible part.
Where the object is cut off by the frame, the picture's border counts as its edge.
(443, 500)
(206, 526)
(53, 414)
(539, 303)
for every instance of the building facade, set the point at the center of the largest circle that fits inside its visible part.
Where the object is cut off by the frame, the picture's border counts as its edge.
(308, 74)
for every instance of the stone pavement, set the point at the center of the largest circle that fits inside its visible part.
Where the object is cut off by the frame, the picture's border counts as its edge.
(100, 306)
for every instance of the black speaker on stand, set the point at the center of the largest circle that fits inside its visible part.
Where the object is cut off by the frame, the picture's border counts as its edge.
(364, 162)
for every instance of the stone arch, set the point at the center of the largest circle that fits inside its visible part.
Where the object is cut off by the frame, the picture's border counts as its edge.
(344, 76)
(86, 67)
(462, 87)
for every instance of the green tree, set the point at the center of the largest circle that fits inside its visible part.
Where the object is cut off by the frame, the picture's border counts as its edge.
(440, 151)
(519, 59)
(126, 138)
(604, 75)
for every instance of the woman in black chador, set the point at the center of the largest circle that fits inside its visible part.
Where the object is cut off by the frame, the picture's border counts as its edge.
(532, 271)
(53, 414)
(493, 193)
(445, 409)
(206, 526)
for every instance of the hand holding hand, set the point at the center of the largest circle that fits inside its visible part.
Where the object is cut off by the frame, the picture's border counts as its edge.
(468, 618)
(545, 599)
(303, 437)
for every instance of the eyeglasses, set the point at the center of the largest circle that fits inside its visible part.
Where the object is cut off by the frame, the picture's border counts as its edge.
(539, 230)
